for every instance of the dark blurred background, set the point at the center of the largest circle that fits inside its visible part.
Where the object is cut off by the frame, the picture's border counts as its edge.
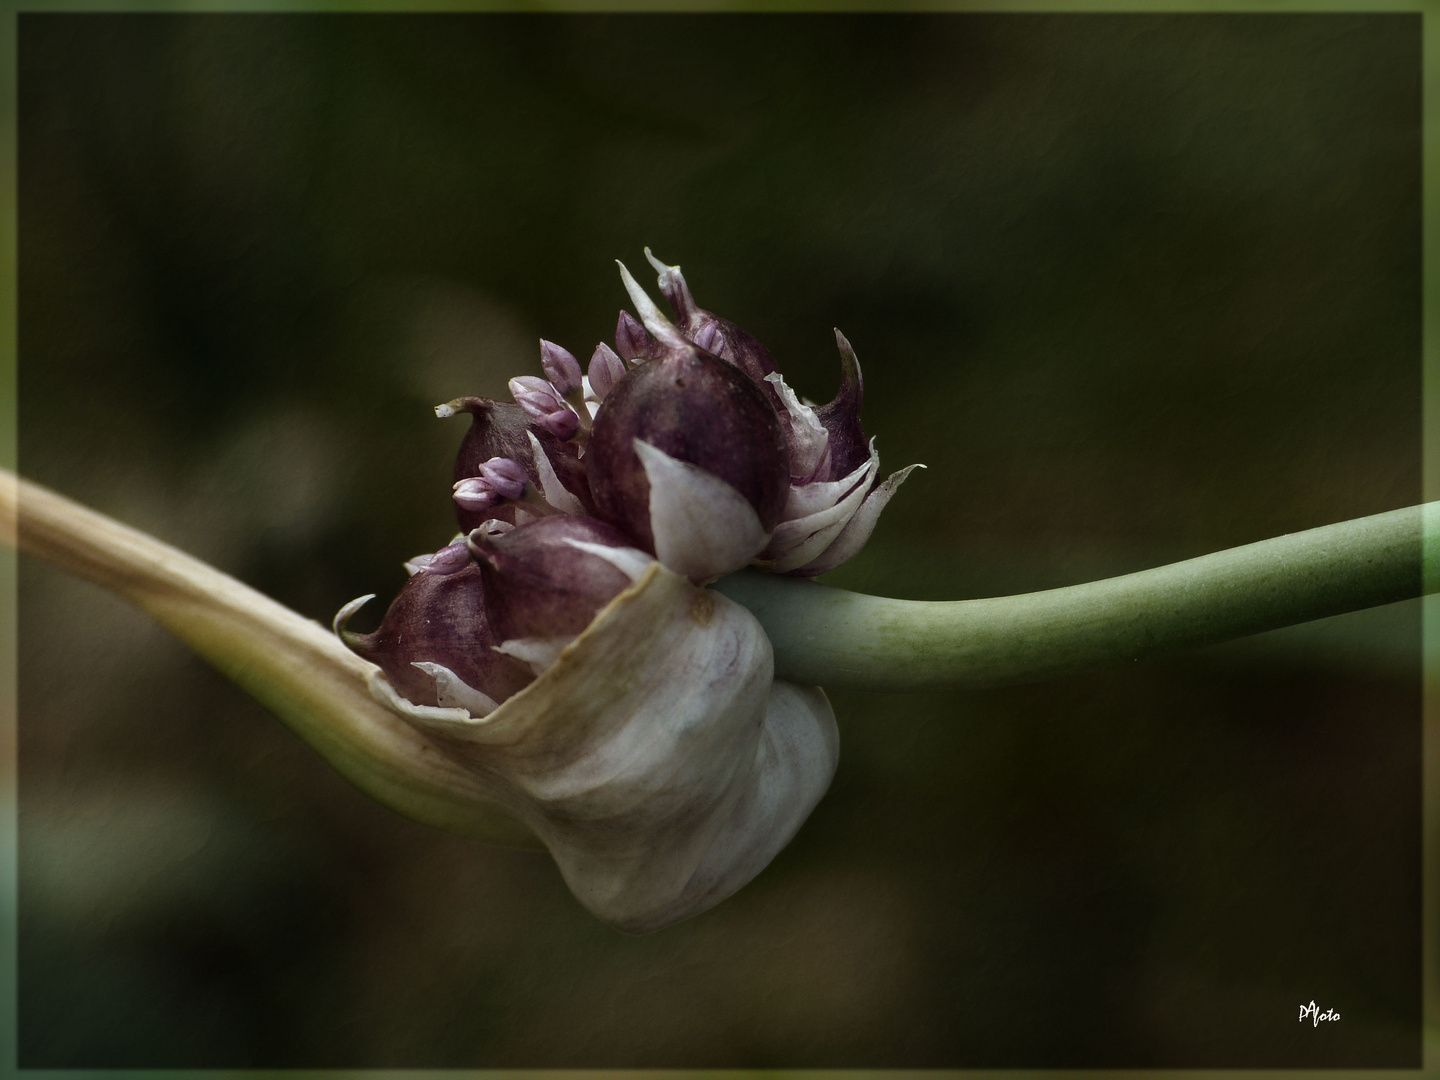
(1135, 288)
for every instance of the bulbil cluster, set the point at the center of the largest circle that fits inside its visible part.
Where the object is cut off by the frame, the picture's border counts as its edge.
(681, 445)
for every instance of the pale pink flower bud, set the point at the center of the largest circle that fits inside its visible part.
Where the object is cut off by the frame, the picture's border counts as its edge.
(506, 477)
(606, 369)
(447, 560)
(560, 367)
(500, 429)
(544, 406)
(476, 494)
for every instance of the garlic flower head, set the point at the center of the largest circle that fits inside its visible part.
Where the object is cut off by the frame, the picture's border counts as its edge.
(834, 495)
(563, 651)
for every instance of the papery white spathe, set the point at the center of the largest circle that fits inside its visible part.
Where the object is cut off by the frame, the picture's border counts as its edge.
(658, 758)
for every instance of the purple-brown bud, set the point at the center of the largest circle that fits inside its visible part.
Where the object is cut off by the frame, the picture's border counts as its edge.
(548, 578)
(439, 620)
(835, 493)
(696, 409)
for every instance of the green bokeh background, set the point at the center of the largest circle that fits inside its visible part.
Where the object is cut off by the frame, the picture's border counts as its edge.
(1134, 287)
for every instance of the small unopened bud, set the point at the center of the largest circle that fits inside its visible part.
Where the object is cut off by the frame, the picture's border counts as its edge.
(606, 369)
(560, 367)
(505, 476)
(450, 559)
(447, 560)
(476, 494)
(544, 406)
(633, 341)
(502, 480)
(500, 429)
(709, 338)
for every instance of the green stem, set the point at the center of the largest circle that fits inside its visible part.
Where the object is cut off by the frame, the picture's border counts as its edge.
(821, 635)
(844, 639)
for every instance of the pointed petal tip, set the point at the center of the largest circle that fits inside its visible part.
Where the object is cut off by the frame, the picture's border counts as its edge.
(459, 405)
(551, 490)
(650, 315)
(848, 359)
(343, 615)
(632, 562)
(453, 692)
(857, 531)
(674, 288)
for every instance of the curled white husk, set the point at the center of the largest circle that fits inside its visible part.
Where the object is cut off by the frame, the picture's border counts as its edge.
(658, 758)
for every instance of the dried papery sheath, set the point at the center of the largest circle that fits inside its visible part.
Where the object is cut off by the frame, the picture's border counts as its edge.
(657, 757)
(857, 530)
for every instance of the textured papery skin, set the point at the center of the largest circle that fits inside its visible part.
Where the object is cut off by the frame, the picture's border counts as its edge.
(500, 429)
(697, 409)
(440, 618)
(657, 758)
